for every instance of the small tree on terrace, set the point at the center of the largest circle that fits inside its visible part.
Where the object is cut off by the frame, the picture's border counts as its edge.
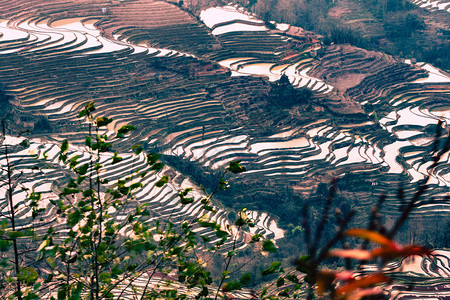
(109, 240)
(18, 270)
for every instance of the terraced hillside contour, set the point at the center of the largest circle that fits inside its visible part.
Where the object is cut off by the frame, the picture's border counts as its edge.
(163, 202)
(371, 114)
(157, 24)
(179, 116)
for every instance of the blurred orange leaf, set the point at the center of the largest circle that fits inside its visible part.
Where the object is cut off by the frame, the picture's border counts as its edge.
(351, 253)
(384, 252)
(372, 236)
(364, 282)
(389, 253)
(345, 275)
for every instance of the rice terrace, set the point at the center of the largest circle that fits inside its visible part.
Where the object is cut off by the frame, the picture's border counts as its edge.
(200, 108)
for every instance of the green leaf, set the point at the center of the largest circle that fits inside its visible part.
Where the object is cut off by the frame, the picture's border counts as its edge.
(185, 191)
(116, 270)
(43, 245)
(49, 278)
(256, 238)
(88, 141)
(231, 286)
(242, 218)
(72, 259)
(302, 264)
(136, 185)
(221, 233)
(280, 281)
(72, 183)
(62, 157)
(206, 224)
(152, 158)
(269, 246)
(131, 267)
(246, 278)
(204, 292)
(272, 269)
(123, 189)
(82, 113)
(103, 121)
(223, 185)
(105, 277)
(124, 130)
(35, 196)
(239, 222)
(235, 167)
(88, 193)
(115, 194)
(82, 170)
(73, 161)
(208, 208)
(80, 179)
(15, 234)
(64, 146)
(103, 147)
(90, 107)
(28, 275)
(162, 181)
(25, 143)
(68, 191)
(157, 166)
(186, 200)
(62, 292)
(137, 149)
(116, 158)
(264, 292)
(76, 293)
(293, 278)
(5, 245)
(74, 218)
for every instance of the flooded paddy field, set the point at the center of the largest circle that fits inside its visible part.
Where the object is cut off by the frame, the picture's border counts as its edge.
(370, 114)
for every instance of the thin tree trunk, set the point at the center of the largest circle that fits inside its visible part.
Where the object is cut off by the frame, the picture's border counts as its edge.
(12, 213)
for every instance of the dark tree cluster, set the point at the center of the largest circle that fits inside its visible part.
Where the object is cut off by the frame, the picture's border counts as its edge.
(284, 95)
(4, 97)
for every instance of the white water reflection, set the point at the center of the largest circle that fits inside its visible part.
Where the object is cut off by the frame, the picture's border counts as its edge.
(216, 15)
(298, 77)
(261, 148)
(407, 116)
(234, 18)
(11, 34)
(237, 27)
(67, 35)
(433, 4)
(434, 75)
